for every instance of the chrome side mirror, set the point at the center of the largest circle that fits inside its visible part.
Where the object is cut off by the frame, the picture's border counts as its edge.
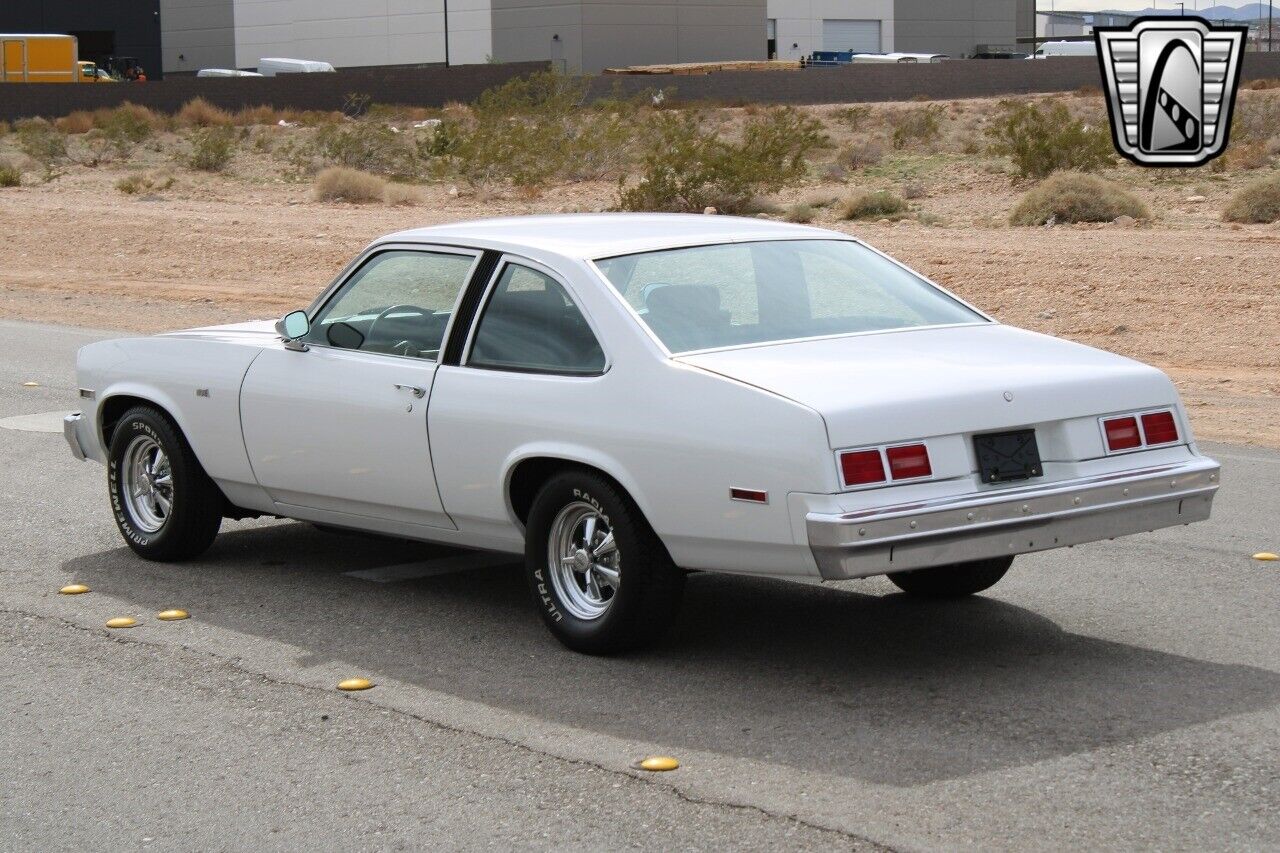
(292, 327)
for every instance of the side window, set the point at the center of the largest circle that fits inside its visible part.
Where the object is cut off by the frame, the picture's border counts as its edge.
(531, 324)
(398, 303)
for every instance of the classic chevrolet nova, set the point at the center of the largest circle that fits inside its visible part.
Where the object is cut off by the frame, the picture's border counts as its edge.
(626, 398)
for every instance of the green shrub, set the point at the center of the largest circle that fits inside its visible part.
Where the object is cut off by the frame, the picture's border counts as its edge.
(40, 141)
(799, 213)
(338, 183)
(1258, 202)
(212, 148)
(126, 127)
(134, 184)
(365, 146)
(9, 176)
(687, 167)
(917, 126)
(880, 204)
(1042, 141)
(1072, 197)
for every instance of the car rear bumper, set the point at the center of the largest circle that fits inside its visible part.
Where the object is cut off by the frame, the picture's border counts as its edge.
(70, 425)
(1011, 521)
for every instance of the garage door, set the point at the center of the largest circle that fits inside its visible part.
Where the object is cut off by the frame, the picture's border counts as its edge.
(858, 36)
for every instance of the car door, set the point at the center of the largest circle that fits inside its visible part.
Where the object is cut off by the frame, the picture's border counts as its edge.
(341, 427)
(529, 374)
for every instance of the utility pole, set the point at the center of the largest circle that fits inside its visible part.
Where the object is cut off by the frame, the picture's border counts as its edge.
(446, 33)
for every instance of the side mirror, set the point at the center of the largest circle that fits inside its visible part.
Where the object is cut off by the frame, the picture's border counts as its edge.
(294, 326)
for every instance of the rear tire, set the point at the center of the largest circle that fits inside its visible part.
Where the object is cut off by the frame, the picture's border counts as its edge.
(954, 581)
(164, 503)
(598, 574)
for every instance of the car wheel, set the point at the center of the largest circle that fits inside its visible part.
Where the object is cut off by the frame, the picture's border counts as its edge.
(599, 575)
(164, 503)
(952, 581)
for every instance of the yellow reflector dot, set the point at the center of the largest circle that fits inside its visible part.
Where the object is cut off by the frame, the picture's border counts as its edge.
(122, 622)
(658, 763)
(1265, 555)
(73, 589)
(355, 684)
(172, 615)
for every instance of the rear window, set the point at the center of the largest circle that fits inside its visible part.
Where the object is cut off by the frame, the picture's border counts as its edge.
(724, 295)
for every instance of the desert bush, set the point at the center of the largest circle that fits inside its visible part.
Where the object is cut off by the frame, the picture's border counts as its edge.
(212, 148)
(5, 128)
(913, 190)
(687, 167)
(366, 147)
(1256, 117)
(261, 114)
(76, 122)
(1258, 202)
(40, 141)
(9, 176)
(117, 132)
(880, 204)
(1073, 197)
(339, 183)
(1254, 154)
(401, 195)
(198, 112)
(1042, 141)
(799, 213)
(917, 126)
(853, 118)
(137, 183)
(861, 154)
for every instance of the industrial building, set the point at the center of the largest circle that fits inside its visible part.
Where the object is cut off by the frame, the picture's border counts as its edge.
(956, 28)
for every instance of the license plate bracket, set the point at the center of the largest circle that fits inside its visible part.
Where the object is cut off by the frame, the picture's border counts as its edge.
(1007, 456)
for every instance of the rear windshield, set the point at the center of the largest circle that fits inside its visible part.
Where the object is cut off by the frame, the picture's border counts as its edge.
(748, 293)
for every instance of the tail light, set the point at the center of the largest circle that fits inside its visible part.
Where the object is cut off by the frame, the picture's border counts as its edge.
(1122, 433)
(908, 462)
(1159, 428)
(861, 467)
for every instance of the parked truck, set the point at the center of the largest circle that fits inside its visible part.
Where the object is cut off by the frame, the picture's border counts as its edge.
(40, 58)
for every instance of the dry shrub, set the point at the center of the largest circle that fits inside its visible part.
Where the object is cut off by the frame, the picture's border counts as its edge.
(135, 119)
(338, 183)
(212, 148)
(250, 116)
(799, 213)
(4, 128)
(198, 112)
(913, 190)
(880, 204)
(9, 176)
(41, 141)
(917, 126)
(861, 154)
(137, 183)
(1256, 117)
(1258, 202)
(401, 195)
(1072, 197)
(1254, 154)
(1268, 83)
(1088, 91)
(76, 123)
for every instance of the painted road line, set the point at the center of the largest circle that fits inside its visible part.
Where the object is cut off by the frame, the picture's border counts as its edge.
(429, 568)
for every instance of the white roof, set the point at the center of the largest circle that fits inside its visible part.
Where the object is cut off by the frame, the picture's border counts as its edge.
(600, 235)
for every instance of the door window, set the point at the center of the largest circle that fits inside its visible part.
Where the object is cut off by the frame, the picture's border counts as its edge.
(531, 324)
(398, 303)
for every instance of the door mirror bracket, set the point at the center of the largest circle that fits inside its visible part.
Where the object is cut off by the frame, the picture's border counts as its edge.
(291, 328)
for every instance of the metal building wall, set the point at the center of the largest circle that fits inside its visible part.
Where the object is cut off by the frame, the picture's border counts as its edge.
(134, 24)
(954, 27)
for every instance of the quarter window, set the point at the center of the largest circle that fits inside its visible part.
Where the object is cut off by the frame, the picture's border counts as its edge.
(531, 324)
(398, 303)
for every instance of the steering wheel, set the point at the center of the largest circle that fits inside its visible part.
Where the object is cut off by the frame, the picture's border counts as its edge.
(387, 311)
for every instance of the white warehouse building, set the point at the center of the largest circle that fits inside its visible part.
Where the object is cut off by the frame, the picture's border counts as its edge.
(957, 28)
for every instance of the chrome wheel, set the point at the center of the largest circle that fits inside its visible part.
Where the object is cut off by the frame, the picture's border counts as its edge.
(583, 560)
(148, 484)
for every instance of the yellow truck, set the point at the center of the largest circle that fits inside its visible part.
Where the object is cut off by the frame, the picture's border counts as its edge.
(47, 58)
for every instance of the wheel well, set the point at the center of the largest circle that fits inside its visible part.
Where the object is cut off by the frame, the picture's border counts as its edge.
(113, 410)
(530, 474)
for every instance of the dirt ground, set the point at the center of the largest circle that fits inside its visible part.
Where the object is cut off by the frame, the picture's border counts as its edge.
(1186, 293)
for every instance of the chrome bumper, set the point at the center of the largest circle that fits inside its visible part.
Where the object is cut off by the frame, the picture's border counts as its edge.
(69, 424)
(1010, 521)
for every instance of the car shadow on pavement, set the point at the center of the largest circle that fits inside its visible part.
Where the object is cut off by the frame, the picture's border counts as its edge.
(875, 687)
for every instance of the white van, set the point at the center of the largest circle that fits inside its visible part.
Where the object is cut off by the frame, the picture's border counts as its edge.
(272, 66)
(1065, 48)
(225, 72)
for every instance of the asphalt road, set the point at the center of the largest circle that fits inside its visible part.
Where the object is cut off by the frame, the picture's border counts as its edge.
(1115, 696)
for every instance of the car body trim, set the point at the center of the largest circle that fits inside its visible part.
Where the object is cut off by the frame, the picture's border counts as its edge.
(69, 425)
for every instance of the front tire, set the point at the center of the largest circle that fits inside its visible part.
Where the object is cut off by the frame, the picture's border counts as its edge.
(598, 574)
(955, 581)
(165, 505)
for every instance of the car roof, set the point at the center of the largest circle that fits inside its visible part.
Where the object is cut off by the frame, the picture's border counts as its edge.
(600, 235)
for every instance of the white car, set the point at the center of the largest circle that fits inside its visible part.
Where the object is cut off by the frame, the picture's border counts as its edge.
(624, 398)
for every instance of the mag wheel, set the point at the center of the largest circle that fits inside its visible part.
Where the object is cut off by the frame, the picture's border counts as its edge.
(599, 575)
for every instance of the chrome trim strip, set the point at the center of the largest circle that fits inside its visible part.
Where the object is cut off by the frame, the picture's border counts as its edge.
(948, 530)
(69, 424)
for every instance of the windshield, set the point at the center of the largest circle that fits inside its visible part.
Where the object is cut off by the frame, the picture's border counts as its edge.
(747, 293)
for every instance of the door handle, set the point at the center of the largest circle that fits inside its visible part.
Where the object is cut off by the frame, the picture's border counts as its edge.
(412, 389)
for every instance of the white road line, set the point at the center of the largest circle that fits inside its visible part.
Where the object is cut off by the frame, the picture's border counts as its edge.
(42, 422)
(429, 568)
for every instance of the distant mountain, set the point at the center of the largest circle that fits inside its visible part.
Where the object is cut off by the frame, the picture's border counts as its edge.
(1247, 12)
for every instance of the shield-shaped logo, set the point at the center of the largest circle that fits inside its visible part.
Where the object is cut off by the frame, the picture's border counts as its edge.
(1171, 85)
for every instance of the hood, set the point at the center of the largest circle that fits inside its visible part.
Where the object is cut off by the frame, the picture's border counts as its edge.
(254, 333)
(883, 388)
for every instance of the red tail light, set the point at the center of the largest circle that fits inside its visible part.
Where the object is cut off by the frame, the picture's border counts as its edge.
(1159, 428)
(908, 462)
(1122, 433)
(860, 467)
